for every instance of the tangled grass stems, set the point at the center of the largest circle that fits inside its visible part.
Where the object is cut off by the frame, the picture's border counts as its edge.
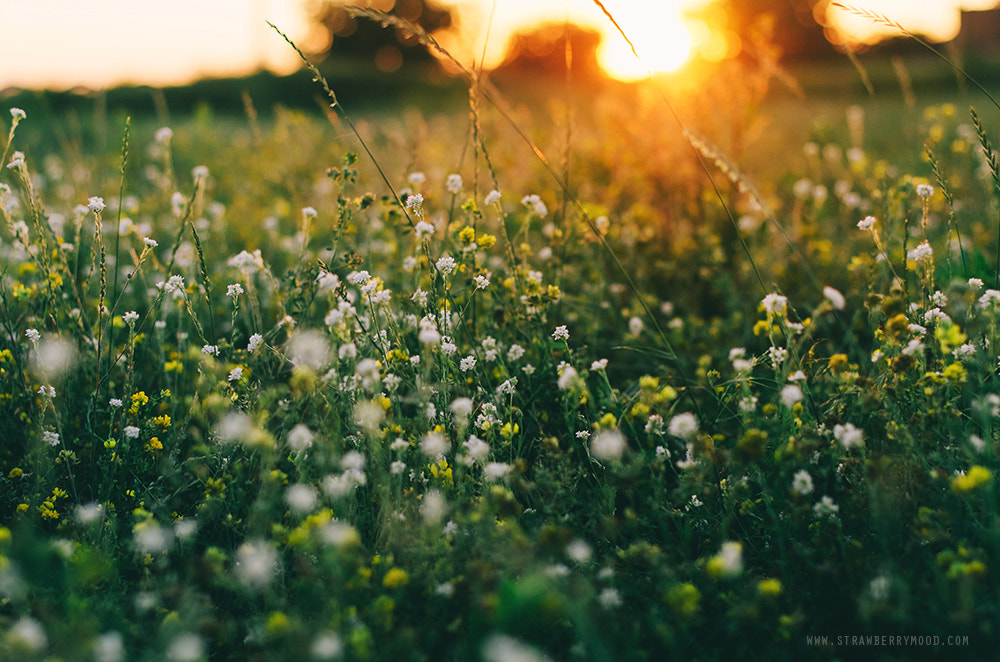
(428, 40)
(336, 105)
(942, 183)
(702, 149)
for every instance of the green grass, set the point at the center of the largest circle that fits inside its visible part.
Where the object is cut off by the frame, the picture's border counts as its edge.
(346, 445)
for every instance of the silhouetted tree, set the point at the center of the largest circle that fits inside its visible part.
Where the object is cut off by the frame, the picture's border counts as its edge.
(360, 40)
(789, 25)
(541, 53)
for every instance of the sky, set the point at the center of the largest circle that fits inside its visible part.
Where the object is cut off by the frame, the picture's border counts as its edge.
(61, 44)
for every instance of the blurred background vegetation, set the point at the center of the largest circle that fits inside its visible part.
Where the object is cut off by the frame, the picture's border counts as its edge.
(374, 68)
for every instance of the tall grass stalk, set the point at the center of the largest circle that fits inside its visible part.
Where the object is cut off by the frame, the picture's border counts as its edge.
(882, 19)
(118, 233)
(337, 106)
(991, 159)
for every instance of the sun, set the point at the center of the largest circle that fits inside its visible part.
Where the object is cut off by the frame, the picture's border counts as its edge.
(660, 36)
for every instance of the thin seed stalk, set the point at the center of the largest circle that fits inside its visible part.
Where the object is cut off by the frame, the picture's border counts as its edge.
(991, 159)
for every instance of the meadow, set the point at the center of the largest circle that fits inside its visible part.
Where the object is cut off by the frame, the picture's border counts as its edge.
(698, 370)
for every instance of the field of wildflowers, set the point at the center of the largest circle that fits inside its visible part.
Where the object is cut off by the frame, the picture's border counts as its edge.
(269, 396)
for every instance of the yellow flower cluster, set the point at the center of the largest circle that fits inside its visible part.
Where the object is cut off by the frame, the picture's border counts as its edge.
(395, 577)
(138, 400)
(48, 507)
(442, 471)
(975, 478)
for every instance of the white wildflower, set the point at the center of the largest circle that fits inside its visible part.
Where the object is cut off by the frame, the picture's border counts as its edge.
(255, 341)
(684, 426)
(26, 635)
(921, 252)
(802, 483)
(775, 304)
(434, 445)
(476, 449)
(247, 262)
(826, 507)
(568, 378)
(867, 223)
(791, 395)
(327, 282)
(445, 265)
(689, 461)
(989, 298)
(536, 204)
(309, 348)
(835, 298)
(579, 551)
(608, 445)
(730, 559)
(414, 203)
(175, 284)
(609, 598)
(358, 278)
(300, 438)
(848, 435)
(433, 507)
(423, 229)
(301, 498)
(256, 564)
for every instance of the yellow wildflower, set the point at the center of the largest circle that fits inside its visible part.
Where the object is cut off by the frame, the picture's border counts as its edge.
(769, 588)
(395, 577)
(138, 400)
(976, 477)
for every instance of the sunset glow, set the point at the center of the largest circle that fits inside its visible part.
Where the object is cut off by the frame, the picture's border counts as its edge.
(660, 36)
(65, 43)
(939, 20)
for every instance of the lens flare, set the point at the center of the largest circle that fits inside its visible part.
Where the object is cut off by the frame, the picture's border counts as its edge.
(661, 38)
